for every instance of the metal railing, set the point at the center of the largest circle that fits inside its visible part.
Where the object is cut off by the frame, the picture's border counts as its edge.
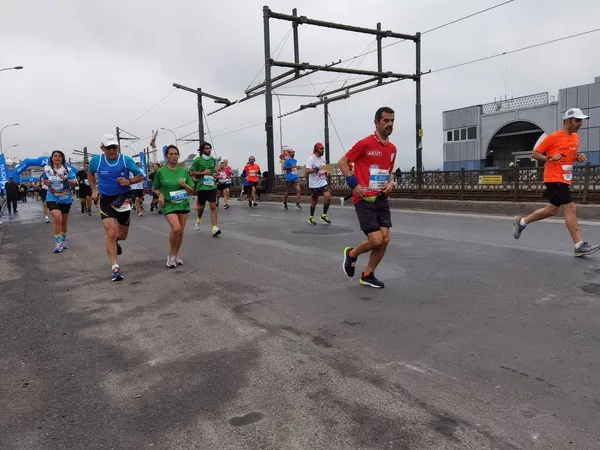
(516, 184)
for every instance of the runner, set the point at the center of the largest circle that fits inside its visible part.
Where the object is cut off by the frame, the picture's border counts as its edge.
(316, 169)
(154, 202)
(559, 152)
(228, 181)
(137, 191)
(290, 166)
(43, 195)
(223, 183)
(204, 168)
(59, 180)
(252, 172)
(348, 196)
(174, 201)
(85, 192)
(113, 188)
(374, 159)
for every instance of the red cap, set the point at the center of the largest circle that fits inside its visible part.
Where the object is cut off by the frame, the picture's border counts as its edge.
(317, 145)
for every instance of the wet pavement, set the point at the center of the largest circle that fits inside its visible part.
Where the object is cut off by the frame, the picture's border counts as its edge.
(259, 341)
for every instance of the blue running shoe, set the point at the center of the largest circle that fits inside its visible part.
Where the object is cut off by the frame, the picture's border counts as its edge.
(116, 275)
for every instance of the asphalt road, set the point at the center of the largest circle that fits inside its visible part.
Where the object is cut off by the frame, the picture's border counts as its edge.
(259, 341)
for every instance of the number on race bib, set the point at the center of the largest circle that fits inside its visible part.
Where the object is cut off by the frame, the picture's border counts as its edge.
(567, 172)
(378, 178)
(209, 180)
(178, 196)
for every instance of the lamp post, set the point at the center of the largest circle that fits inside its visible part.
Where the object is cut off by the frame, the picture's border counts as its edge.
(167, 129)
(11, 125)
(280, 129)
(11, 68)
(14, 145)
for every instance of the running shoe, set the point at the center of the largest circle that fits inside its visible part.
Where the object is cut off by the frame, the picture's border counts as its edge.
(171, 261)
(349, 262)
(370, 280)
(119, 249)
(250, 203)
(47, 219)
(325, 219)
(140, 213)
(116, 274)
(342, 201)
(90, 212)
(57, 248)
(285, 206)
(311, 220)
(299, 206)
(517, 227)
(178, 260)
(586, 249)
(198, 224)
(254, 204)
(226, 205)
(216, 231)
(65, 244)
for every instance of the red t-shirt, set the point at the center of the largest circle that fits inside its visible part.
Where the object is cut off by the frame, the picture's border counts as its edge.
(373, 163)
(252, 171)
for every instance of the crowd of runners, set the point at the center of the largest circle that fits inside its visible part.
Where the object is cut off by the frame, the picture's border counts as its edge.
(115, 184)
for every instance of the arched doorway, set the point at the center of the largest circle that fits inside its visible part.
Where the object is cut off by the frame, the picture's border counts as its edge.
(513, 142)
(39, 162)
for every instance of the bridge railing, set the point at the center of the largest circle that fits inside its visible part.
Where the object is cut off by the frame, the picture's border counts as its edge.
(513, 184)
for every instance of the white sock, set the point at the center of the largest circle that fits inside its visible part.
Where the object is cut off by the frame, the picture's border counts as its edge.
(115, 266)
(579, 244)
(522, 222)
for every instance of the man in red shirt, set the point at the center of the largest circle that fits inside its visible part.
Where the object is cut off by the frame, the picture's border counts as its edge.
(559, 152)
(252, 171)
(373, 159)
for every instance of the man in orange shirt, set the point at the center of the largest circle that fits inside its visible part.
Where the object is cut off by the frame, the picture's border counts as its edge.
(252, 171)
(559, 152)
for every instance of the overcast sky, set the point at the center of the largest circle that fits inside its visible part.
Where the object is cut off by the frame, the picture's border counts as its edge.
(92, 66)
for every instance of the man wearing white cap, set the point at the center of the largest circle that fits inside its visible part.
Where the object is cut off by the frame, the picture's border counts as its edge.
(559, 152)
(114, 185)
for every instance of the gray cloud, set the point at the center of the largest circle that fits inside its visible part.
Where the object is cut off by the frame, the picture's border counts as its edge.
(90, 67)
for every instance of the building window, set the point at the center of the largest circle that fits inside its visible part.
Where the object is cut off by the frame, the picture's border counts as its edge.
(449, 136)
(472, 133)
(457, 135)
(463, 134)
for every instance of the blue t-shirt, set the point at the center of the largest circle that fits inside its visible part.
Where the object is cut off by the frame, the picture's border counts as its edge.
(59, 191)
(107, 173)
(290, 174)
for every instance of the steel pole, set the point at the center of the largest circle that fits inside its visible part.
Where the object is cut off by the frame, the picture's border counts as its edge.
(326, 118)
(418, 116)
(200, 118)
(268, 100)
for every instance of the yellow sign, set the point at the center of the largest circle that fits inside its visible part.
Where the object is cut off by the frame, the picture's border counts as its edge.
(421, 132)
(490, 179)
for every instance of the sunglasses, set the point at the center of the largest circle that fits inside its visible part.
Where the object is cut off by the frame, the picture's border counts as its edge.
(112, 147)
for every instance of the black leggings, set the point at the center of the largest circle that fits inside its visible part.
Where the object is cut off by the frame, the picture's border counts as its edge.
(348, 196)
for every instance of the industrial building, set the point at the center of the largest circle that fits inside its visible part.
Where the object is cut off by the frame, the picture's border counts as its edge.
(498, 133)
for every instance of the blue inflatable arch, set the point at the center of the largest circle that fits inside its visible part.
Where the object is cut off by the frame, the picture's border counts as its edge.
(40, 162)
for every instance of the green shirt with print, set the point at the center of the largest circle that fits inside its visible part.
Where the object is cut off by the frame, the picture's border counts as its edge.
(166, 180)
(205, 182)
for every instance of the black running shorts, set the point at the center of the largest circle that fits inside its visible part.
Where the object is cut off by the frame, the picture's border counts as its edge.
(222, 186)
(108, 212)
(43, 194)
(558, 194)
(62, 207)
(207, 196)
(317, 192)
(373, 216)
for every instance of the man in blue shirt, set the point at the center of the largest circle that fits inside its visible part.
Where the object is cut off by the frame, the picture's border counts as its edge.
(292, 181)
(111, 172)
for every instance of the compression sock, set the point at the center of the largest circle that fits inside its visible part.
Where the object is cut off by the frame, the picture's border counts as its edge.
(312, 211)
(325, 208)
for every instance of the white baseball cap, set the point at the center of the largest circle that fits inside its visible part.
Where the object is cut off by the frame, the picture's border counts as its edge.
(109, 139)
(574, 113)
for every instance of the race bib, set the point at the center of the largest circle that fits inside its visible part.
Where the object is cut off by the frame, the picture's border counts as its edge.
(178, 196)
(208, 180)
(57, 185)
(126, 206)
(322, 172)
(86, 182)
(378, 179)
(228, 180)
(253, 173)
(295, 170)
(567, 172)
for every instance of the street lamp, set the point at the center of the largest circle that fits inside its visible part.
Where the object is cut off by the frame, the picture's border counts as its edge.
(12, 68)
(280, 129)
(14, 145)
(130, 148)
(11, 125)
(167, 129)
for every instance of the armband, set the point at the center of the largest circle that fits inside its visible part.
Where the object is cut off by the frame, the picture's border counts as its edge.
(352, 181)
